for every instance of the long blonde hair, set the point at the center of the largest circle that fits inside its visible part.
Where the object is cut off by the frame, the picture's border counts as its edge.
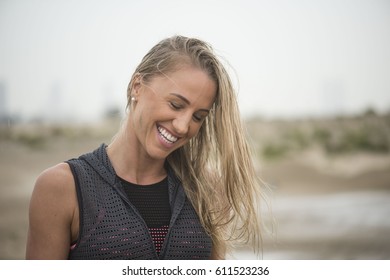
(215, 167)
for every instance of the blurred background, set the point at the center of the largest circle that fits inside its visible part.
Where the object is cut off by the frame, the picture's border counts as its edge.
(313, 81)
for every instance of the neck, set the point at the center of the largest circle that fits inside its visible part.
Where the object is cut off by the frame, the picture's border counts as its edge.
(131, 162)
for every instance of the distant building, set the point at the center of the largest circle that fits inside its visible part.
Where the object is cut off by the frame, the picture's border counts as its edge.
(54, 109)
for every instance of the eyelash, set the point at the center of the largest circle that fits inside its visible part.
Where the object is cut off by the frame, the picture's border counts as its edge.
(175, 106)
(178, 107)
(197, 119)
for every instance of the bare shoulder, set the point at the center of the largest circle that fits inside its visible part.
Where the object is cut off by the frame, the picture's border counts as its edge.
(55, 191)
(57, 177)
(53, 206)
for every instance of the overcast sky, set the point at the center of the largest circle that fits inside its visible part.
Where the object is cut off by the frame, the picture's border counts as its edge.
(288, 58)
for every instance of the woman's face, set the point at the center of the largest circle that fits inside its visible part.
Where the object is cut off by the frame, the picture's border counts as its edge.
(170, 109)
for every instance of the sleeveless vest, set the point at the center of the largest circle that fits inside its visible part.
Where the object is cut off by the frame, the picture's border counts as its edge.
(112, 228)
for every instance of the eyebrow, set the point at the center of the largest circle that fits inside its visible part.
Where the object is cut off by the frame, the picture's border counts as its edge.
(187, 101)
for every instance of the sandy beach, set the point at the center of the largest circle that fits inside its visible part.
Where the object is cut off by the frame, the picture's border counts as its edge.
(322, 207)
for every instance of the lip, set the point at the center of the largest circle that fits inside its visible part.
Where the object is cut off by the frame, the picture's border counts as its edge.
(161, 138)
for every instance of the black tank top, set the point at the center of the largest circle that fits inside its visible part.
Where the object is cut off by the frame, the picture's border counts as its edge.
(152, 202)
(111, 227)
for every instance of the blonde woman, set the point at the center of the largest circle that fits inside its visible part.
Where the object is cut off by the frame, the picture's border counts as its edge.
(177, 181)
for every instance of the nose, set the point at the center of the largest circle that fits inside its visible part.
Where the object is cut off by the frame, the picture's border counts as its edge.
(181, 124)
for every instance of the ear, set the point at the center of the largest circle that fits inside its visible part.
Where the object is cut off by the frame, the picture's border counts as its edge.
(137, 84)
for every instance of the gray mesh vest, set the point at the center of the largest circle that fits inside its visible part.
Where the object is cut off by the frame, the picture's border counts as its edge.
(111, 227)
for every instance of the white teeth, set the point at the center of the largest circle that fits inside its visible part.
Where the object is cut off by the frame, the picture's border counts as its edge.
(167, 135)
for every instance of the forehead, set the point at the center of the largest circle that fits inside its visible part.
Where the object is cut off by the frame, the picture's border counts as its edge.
(191, 82)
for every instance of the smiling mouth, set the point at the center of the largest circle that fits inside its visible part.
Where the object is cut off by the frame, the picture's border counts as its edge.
(166, 136)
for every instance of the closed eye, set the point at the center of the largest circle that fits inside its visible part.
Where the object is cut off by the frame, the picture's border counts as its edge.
(175, 105)
(199, 118)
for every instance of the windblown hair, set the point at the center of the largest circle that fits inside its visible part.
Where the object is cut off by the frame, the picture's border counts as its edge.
(215, 167)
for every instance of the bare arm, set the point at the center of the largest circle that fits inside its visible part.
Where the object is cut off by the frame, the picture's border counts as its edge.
(52, 214)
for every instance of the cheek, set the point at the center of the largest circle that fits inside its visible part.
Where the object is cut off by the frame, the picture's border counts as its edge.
(194, 130)
(140, 114)
(138, 123)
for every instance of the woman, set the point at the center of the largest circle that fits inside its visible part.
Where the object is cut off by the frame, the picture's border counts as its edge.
(177, 181)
